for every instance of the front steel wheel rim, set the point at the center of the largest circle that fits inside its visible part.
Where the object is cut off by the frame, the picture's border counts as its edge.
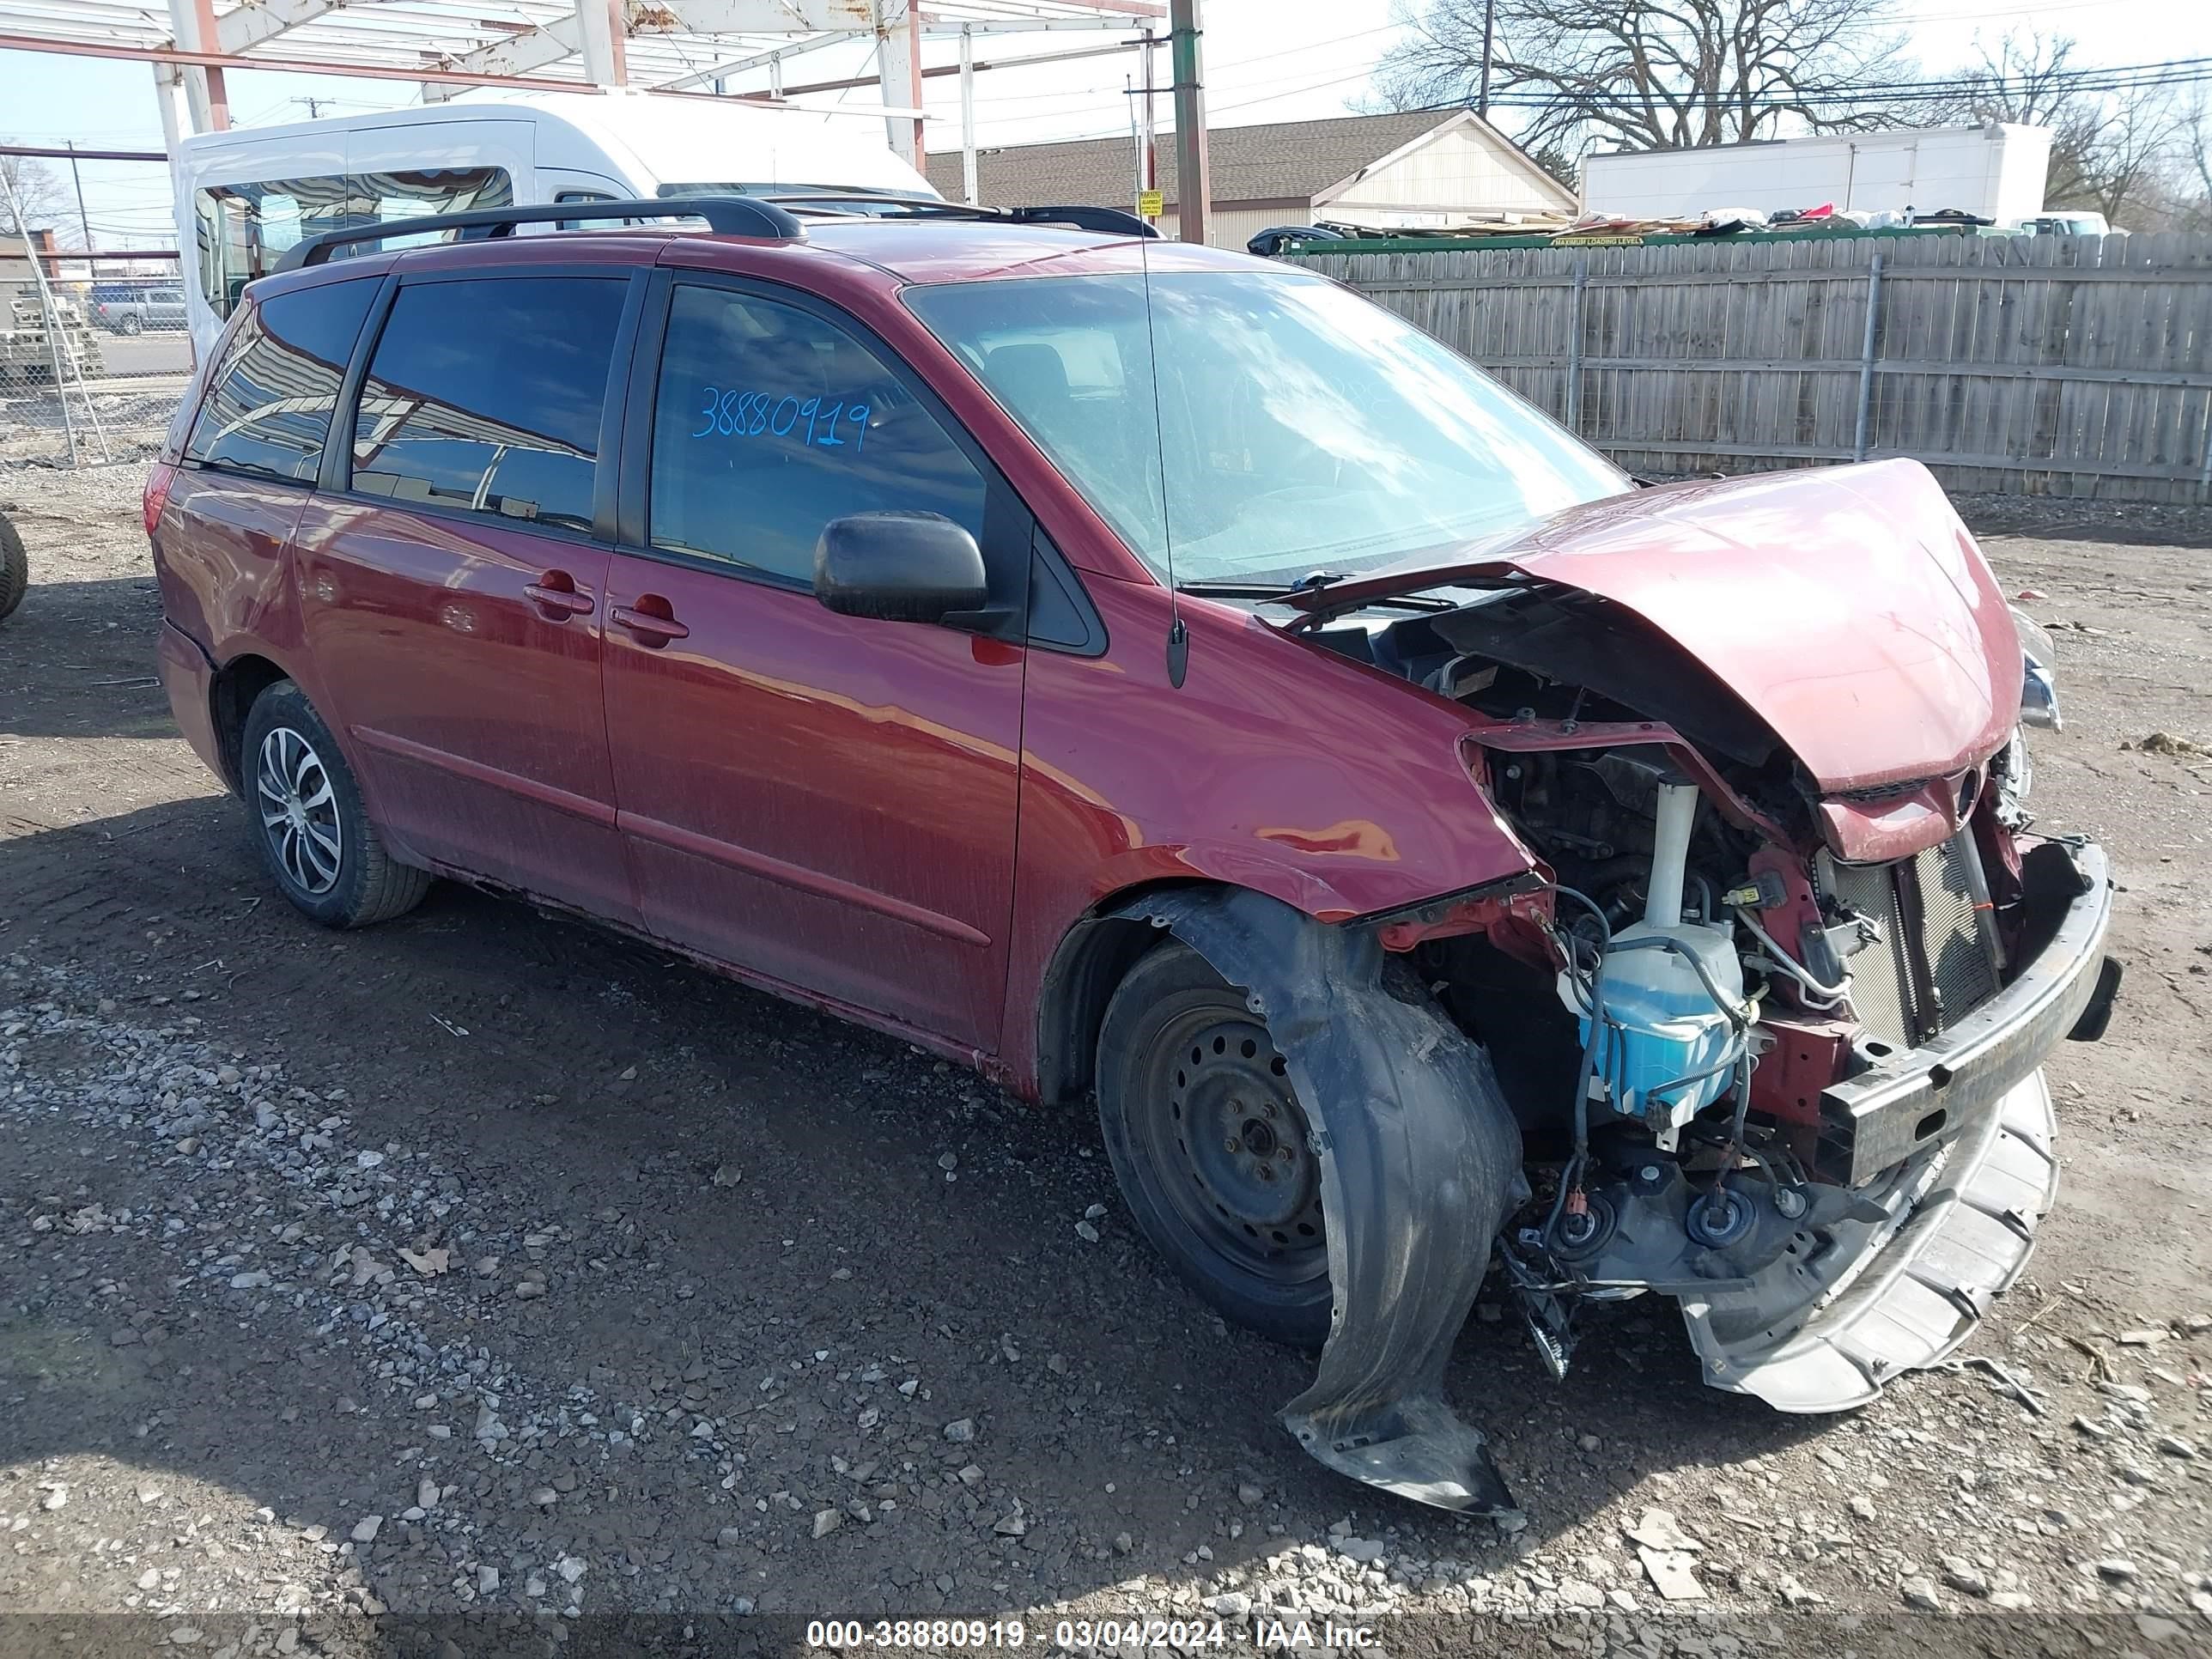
(300, 811)
(1232, 1147)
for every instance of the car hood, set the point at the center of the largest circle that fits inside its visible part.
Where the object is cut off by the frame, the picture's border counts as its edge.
(1848, 607)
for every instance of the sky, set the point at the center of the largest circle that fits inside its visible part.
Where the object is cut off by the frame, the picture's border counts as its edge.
(1266, 60)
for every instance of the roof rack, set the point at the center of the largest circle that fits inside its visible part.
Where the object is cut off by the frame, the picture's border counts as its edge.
(769, 217)
(727, 215)
(818, 203)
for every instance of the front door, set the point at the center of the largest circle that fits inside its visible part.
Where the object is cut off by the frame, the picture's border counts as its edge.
(825, 801)
(453, 585)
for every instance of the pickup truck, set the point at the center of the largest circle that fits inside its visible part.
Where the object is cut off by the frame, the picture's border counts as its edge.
(155, 308)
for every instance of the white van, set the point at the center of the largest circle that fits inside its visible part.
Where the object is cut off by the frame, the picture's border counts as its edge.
(249, 194)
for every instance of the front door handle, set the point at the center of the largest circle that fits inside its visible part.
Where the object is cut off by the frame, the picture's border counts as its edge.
(556, 597)
(651, 627)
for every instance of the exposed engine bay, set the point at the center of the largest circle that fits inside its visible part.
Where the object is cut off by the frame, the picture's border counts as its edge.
(1680, 1005)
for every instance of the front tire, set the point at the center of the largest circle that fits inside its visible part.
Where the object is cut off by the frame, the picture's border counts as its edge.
(305, 813)
(1211, 1148)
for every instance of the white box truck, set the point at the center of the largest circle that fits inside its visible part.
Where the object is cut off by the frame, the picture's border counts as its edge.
(1996, 171)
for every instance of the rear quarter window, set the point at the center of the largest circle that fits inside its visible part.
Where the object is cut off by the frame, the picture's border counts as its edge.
(271, 396)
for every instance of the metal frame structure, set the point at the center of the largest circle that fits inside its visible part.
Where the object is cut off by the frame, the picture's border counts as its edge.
(697, 46)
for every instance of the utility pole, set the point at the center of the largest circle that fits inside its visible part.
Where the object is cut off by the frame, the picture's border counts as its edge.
(1148, 151)
(970, 191)
(1136, 144)
(1193, 180)
(1489, 27)
(77, 182)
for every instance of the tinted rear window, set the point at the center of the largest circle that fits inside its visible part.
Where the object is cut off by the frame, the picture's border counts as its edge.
(270, 399)
(486, 395)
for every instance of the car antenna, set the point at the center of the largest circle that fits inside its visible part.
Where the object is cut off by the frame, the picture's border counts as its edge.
(1178, 635)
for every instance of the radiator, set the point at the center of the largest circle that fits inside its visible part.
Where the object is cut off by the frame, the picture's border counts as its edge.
(1938, 958)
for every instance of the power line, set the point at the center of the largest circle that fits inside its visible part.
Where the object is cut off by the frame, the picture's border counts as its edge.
(2134, 77)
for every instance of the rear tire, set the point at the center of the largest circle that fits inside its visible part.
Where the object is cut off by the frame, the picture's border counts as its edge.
(132, 323)
(15, 569)
(1211, 1148)
(305, 814)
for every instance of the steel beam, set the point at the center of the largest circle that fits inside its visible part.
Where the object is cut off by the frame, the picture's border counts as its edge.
(935, 71)
(180, 57)
(601, 34)
(753, 16)
(256, 21)
(46, 154)
(898, 72)
(555, 42)
(206, 98)
(519, 55)
(753, 60)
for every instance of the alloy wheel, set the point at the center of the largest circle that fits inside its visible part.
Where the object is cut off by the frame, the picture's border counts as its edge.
(300, 811)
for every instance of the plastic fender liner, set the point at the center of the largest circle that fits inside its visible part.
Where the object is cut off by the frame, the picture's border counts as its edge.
(1420, 1157)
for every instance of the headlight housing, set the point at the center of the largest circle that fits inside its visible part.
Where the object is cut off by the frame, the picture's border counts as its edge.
(2038, 691)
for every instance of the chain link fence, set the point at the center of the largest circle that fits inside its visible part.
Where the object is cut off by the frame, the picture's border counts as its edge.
(93, 357)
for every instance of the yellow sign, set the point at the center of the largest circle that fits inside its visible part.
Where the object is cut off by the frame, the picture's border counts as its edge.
(1151, 204)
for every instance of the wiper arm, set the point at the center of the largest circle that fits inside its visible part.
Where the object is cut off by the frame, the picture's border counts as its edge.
(1319, 579)
(1235, 590)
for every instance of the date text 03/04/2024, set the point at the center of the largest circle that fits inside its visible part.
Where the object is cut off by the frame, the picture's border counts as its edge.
(1180, 1635)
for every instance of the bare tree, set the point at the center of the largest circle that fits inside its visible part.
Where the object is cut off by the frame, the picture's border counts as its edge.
(2033, 81)
(2137, 153)
(42, 197)
(2111, 152)
(1648, 74)
(2196, 209)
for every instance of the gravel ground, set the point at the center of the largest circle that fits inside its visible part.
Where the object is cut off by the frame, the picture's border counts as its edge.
(483, 1280)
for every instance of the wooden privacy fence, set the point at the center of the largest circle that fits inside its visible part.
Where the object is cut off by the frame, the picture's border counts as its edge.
(2039, 365)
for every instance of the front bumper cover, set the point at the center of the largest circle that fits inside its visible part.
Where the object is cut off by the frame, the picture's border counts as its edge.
(1957, 1215)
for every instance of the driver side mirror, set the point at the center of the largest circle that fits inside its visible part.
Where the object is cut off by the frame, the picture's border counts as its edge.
(898, 567)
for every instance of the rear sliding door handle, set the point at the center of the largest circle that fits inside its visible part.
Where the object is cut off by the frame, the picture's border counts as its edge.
(646, 629)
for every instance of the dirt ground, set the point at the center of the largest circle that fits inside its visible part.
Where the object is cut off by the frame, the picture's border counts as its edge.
(483, 1279)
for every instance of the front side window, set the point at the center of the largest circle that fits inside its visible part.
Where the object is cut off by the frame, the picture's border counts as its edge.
(1291, 426)
(770, 422)
(486, 395)
(270, 400)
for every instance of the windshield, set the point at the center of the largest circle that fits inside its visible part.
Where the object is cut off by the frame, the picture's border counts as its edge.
(1301, 426)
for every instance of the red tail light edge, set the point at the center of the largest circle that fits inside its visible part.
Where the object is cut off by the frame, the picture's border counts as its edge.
(158, 482)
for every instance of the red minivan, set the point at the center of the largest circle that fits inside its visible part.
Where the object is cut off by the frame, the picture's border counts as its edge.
(1155, 674)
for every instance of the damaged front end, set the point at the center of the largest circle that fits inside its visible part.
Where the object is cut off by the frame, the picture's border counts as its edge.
(1743, 1037)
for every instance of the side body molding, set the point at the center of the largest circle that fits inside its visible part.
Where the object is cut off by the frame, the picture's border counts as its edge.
(1420, 1159)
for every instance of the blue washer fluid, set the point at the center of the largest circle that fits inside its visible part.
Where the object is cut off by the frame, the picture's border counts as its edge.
(1662, 1024)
